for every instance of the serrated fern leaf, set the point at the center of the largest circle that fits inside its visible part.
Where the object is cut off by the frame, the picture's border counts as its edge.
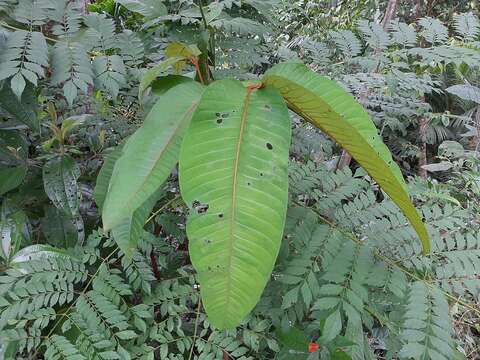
(60, 348)
(239, 25)
(403, 34)
(110, 73)
(71, 69)
(68, 16)
(32, 12)
(100, 33)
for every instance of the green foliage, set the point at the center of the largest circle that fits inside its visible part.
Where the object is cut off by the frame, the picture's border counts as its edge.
(311, 97)
(238, 209)
(349, 281)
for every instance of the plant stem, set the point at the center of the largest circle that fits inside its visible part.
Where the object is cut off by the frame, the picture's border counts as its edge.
(196, 328)
(204, 19)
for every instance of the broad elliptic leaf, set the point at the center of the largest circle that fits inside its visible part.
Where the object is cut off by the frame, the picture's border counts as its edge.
(150, 154)
(39, 251)
(59, 229)
(60, 182)
(330, 108)
(233, 177)
(165, 83)
(11, 177)
(23, 111)
(14, 230)
(465, 92)
(130, 229)
(151, 9)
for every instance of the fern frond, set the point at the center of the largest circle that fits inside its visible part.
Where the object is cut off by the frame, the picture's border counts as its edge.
(311, 144)
(240, 26)
(433, 31)
(32, 12)
(132, 49)
(403, 34)
(25, 298)
(60, 348)
(71, 69)
(100, 33)
(317, 51)
(375, 36)
(138, 272)
(467, 26)
(347, 42)
(68, 16)
(109, 73)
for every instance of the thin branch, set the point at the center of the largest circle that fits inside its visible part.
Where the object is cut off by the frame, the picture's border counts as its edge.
(204, 19)
(161, 209)
(82, 293)
(196, 328)
(391, 262)
(11, 27)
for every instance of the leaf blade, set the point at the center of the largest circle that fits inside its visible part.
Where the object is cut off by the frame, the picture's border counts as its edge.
(237, 194)
(150, 154)
(327, 106)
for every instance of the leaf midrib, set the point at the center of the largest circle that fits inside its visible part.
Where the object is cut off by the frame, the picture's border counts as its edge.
(402, 193)
(236, 165)
(166, 147)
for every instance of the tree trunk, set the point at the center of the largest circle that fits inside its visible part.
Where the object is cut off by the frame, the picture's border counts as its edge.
(390, 13)
(417, 9)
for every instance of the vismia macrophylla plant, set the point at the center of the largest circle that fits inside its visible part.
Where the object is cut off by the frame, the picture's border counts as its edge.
(231, 141)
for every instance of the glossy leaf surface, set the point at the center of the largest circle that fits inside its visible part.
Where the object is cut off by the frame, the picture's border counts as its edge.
(330, 108)
(233, 176)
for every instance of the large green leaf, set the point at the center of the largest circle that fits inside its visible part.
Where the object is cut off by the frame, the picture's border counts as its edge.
(127, 233)
(233, 176)
(60, 182)
(14, 230)
(59, 229)
(23, 111)
(327, 106)
(11, 177)
(150, 154)
(152, 73)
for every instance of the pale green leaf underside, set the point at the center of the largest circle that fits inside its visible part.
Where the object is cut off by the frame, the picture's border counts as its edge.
(233, 176)
(150, 154)
(104, 176)
(326, 105)
(129, 231)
